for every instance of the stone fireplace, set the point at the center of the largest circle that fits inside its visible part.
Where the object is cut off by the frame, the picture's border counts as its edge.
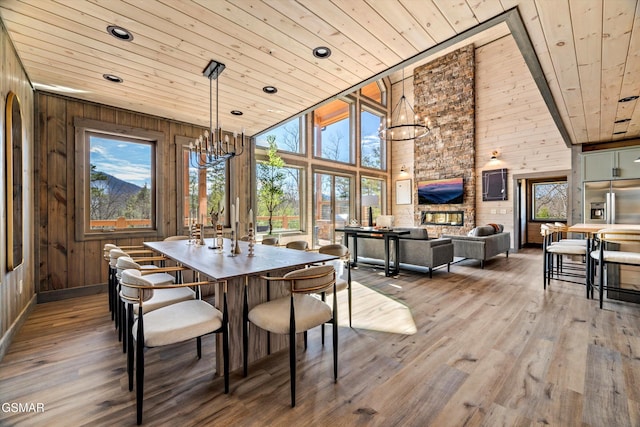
(445, 92)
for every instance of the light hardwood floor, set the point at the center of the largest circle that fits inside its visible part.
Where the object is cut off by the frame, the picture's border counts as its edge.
(473, 347)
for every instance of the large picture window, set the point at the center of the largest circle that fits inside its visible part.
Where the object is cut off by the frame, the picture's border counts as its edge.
(282, 209)
(332, 132)
(371, 145)
(116, 184)
(287, 136)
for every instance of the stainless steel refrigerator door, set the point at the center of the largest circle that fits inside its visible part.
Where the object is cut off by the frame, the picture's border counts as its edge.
(626, 194)
(595, 202)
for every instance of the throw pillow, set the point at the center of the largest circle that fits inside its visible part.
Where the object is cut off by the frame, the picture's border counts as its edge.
(498, 228)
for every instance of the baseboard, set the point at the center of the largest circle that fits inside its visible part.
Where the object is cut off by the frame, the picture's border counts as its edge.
(63, 294)
(7, 338)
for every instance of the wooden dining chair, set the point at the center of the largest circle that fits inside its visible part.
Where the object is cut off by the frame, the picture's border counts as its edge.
(296, 313)
(168, 325)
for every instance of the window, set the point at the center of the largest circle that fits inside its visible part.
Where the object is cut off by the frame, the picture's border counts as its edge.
(203, 190)
(376, 91)
(371, 145)
(372, 199)
(116, 189)
(549, 200)
(285, 206)
(287, 136)
(332, 132)
(279, 193)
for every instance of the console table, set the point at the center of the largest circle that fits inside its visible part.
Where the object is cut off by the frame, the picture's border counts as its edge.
(371, 232)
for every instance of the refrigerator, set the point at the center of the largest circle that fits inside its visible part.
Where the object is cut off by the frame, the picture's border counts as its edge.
(612, 202)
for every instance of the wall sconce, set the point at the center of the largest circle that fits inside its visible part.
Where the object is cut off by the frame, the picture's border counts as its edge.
(637, 160)
(494, 155)
(403, 168)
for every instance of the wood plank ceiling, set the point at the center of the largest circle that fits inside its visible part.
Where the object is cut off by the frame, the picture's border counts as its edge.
(588, 50)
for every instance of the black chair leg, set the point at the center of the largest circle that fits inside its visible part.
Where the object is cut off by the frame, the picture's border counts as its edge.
(335, 351)
(292, 365)
(130, 345)
(199, 346)
(245, 333)
(139, 368)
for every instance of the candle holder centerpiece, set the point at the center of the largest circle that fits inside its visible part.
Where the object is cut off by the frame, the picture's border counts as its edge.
(252, 240)
(217, 228)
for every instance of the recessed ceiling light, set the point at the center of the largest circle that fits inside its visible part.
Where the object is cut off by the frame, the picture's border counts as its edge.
(236, 112)
(112, 78)
(628, 98)
(269, 89)
(622, 121)
(120, 33)
(322, 52)
(620, 133)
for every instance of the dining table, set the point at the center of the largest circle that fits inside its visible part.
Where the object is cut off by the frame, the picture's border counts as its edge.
(240, 271)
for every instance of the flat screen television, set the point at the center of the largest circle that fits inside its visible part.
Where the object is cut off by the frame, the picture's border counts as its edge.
(440, 191)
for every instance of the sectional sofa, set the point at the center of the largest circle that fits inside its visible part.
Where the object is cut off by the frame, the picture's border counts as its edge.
(416, 249)
(482, 243)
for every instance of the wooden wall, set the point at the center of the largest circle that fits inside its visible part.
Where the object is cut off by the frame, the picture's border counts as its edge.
(67, 266)
(510, 117)
(17, 288)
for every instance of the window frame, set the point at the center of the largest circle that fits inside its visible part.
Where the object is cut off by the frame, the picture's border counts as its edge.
(351, 107)
(83, 129)
(532, 201)
(301, 136)
(364, 107)
(383, 195)
(289, 163)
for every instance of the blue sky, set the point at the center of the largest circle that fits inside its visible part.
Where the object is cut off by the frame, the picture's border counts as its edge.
(128, 161)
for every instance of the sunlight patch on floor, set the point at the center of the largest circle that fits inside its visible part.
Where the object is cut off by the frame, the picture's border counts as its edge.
(375, 311)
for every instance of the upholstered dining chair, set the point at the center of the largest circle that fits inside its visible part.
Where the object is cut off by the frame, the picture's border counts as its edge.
(300, 245)
(296, 313)
(162, 297)
(111, 269)
(171, 324)
(145, 256)
(615, 246)
(272, 241)
(342, 252)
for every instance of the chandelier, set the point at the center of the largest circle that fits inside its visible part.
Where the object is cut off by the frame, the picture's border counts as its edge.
(404, 124)
(212, 147)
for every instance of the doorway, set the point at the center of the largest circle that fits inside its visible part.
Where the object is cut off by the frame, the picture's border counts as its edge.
(540, 198)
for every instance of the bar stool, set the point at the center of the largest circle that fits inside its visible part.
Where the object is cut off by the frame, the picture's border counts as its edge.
(554, 267)
(605, 255)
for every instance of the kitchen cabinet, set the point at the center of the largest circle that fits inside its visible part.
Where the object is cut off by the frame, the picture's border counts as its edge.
(611, 164)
